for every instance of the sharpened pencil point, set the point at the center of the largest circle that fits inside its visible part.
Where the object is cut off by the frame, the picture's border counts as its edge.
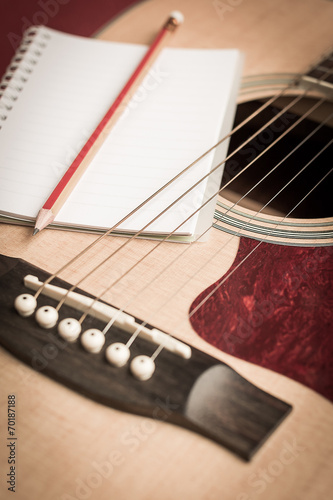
(44, 218)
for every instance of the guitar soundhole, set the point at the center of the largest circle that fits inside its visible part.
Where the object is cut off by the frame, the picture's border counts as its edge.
(317, 204)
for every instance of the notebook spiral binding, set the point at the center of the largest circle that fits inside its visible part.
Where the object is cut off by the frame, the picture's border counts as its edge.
(21, 66)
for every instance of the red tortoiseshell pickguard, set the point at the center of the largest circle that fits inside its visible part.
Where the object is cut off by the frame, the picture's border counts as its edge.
(275, 310)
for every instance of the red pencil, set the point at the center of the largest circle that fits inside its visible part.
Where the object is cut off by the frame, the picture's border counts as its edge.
(73, 174)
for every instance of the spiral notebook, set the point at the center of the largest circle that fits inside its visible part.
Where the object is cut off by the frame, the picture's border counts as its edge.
(55, 92)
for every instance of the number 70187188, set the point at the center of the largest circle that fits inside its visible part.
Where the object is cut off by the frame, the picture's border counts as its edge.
(11, 414)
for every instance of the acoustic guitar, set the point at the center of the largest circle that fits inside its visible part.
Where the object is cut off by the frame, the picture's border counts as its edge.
(238, 402)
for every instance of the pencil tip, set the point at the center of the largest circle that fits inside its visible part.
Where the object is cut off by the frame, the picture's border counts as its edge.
(44, 218)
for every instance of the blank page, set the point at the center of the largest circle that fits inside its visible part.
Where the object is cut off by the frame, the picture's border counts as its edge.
(178, 113)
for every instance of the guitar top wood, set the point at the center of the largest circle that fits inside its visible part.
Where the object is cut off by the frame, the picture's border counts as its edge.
(70, 447)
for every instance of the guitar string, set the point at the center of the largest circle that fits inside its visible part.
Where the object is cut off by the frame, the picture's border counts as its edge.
(157, 245)
(137, 332)
(156, 354)
(134, 298)
(267, 235)
(209, 200)
(264, 106)
(147, 200)
(203, 301)
(161, 347)
(289, 106)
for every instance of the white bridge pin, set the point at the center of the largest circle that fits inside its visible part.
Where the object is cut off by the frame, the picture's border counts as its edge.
(25, 304)
(142, 367)
(69, 329)
(117, 354)
(92, 340)
(47, 316)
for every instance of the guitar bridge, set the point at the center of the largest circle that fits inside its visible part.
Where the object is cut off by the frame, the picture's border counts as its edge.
(106, 313)
(205, 395)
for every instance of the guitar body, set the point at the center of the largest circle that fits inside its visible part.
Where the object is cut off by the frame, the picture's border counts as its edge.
(70, 447)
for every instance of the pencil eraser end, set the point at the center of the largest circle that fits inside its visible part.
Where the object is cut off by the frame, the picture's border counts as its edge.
(178, 16)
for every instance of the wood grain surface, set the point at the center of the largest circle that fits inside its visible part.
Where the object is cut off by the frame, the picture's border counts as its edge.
(70, 447)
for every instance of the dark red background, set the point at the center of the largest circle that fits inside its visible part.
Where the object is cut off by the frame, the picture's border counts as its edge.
(80, 17)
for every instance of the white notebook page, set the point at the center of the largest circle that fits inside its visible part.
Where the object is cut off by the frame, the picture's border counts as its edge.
(179, 112)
